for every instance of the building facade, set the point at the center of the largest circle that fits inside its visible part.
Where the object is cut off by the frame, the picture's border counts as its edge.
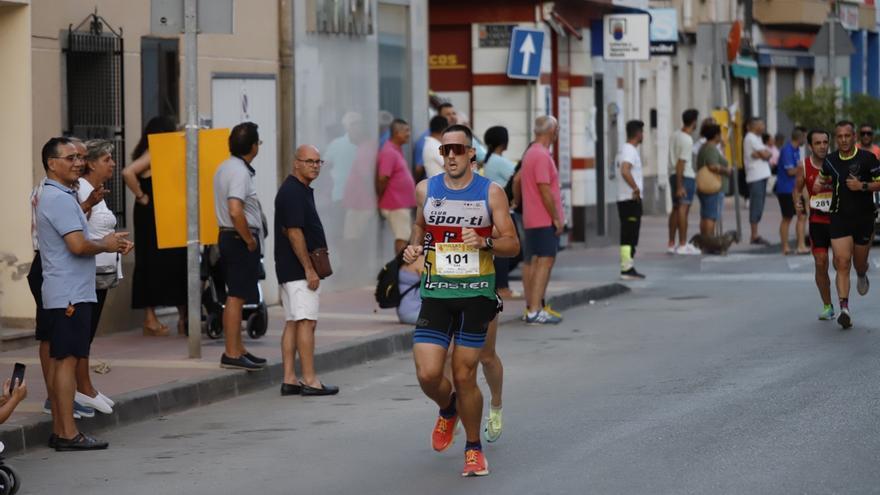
(296, 68)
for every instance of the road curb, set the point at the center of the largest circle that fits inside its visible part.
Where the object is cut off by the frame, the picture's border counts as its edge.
(185, 394)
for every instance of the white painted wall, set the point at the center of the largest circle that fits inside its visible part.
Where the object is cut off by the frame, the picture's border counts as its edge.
(253, 100)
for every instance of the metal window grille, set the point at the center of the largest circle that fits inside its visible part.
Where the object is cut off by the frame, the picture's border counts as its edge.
(95, 96)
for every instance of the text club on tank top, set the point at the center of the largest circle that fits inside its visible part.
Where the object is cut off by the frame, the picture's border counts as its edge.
(819, 202)
(453, 270)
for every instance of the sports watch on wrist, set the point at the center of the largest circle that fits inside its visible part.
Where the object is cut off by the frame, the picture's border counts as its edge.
(864, 186)
(490, 243)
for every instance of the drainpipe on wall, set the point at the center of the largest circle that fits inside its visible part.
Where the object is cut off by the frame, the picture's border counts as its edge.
(287, 86)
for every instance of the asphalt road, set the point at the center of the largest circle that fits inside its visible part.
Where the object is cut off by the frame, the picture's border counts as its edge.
(713, 376)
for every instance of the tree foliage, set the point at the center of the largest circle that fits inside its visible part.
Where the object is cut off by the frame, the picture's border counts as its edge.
(814, 108)
(864, 109)
(822, 107)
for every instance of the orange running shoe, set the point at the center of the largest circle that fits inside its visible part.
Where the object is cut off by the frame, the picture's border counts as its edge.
(475, 463)
(443, 435)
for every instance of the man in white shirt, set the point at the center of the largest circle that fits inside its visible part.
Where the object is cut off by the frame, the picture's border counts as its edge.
(682, 183)
(756, 155)
(431, 157)
(629, 198)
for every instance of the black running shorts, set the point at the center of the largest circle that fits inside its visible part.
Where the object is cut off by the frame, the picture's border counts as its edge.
(465, 319)
(860, 228)
(820, 237)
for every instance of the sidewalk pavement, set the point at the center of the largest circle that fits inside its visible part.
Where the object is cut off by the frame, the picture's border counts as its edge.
(152, 376)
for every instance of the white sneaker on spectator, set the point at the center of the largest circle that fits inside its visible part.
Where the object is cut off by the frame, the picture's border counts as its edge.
(688, 249)
(106, 399)
(94, 402)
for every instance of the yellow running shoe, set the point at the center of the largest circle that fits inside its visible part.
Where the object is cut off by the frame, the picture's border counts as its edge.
(494, 424)
(552, 311)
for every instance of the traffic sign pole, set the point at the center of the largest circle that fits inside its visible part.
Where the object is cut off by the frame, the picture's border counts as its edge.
(734, 38)
(193, 279)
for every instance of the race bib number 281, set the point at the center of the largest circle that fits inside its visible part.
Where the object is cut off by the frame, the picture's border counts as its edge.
(456, 258)
(821, 202)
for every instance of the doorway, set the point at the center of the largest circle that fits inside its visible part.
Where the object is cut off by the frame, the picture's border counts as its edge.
(160, 78)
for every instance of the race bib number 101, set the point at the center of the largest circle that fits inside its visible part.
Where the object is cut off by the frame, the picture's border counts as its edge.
(456, 258)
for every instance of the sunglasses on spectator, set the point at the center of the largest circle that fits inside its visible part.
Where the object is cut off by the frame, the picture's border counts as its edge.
(457, 149)
(867, 133)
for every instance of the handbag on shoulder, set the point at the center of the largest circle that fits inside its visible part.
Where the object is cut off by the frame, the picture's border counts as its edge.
(708, 182)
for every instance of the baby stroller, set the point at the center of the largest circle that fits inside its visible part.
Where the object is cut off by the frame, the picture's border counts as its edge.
(254, 312)
(10, 483)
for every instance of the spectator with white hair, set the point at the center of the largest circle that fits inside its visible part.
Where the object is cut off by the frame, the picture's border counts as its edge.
(543, 218)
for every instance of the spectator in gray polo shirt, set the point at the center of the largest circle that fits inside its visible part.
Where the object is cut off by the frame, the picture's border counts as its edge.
(239, 216)
(68, 290)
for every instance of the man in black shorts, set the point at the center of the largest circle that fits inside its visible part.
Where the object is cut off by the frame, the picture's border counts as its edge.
(454, 229)
(68, 288)
(240, 218)
(854, 175)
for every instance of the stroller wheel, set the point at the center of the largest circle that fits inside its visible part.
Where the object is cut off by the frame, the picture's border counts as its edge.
(258, 322)
(14, 480)
(215, 326)
(5, 483)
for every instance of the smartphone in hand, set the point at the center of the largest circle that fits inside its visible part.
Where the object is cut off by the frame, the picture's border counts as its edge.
(17, 374)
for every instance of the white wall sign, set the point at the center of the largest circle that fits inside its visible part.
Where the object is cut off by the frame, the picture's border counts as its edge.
(664, 24)
(626, 37)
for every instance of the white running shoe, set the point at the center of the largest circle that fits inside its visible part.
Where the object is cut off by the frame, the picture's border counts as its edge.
(688, 250)
(94, 402)
(671, 250)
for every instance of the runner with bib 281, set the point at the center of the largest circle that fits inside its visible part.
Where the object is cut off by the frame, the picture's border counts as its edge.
(454, 227)
(820, 218)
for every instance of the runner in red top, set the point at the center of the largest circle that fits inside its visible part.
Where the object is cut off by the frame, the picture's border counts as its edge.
(820, 218)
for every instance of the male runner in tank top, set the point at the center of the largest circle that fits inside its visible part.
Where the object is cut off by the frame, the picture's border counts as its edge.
(854, 176)
(454, 222)
(820, 219)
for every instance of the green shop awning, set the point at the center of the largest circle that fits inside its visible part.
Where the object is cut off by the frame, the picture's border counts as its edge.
(745, 68)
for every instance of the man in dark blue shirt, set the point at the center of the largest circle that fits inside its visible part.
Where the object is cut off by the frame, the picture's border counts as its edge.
(297, 220)
(786, 169)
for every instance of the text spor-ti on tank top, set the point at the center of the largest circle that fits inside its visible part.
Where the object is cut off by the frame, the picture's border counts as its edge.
(452, 269)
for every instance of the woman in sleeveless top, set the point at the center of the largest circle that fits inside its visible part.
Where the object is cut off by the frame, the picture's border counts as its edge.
(159, 274)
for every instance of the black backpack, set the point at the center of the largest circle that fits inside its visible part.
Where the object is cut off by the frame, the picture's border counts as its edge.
(388, 284)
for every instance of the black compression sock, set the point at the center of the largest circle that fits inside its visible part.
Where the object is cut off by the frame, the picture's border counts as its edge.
(449, 411)
(473, 445)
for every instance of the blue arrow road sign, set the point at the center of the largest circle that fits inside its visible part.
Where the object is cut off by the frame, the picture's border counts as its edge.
(526, 48)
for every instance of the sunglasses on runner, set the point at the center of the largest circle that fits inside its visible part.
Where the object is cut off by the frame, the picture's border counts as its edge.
(457, 149)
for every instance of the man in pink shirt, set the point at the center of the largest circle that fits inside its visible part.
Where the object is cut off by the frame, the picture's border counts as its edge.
(395, 185)
(543, 219)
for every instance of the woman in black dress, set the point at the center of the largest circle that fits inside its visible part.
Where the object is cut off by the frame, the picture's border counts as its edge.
(159, 274)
